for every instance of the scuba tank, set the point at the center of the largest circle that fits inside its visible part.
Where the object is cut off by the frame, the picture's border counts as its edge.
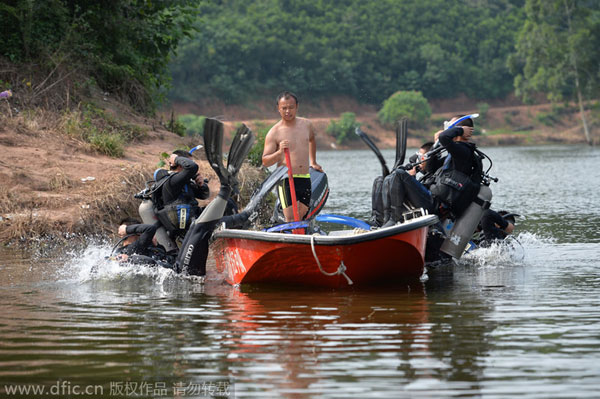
(146, 211)
(458, 238)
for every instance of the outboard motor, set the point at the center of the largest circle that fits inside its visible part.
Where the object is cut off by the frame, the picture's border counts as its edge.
(146, 211)
(456, 242)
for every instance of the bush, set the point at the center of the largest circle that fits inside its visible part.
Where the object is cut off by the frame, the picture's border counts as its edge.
(194, 124)
(482, 110)
(405, 104)
(102, 131)
(173, 125)
(344, 129)
(547, 118)
(111, 144)
(255, 154)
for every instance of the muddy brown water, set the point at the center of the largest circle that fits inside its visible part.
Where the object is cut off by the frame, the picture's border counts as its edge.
(521, 320)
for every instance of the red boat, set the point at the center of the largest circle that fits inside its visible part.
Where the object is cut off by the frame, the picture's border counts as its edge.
(343, 257)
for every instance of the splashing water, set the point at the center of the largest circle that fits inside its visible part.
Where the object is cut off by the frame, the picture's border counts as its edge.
(94, 264)
(510, 252)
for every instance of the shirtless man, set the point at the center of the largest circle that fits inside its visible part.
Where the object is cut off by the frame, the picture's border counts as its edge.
(297, 134)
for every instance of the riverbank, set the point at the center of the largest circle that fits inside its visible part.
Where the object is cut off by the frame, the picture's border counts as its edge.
(503, 122)
(57, 185)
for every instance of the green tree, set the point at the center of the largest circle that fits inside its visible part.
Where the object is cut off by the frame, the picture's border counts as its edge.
(405, 104)
(557, 51)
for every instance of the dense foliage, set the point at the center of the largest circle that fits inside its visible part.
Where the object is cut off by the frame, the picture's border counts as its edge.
(558, 45)
(123, 45)
(364, 49)
(557, 52)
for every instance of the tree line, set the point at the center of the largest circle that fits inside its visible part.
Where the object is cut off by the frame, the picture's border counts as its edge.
(238, 49)
(366, 50)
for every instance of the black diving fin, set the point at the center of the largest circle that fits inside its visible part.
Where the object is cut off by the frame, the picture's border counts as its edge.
(240, 146)
(213, 146)
(401, 133)
(373, 147)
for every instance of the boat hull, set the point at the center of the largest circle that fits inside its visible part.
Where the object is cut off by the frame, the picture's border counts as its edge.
(382, 256)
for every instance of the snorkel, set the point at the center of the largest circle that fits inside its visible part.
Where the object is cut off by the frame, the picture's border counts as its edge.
(437, 148)
(195, 148)
(448, 125)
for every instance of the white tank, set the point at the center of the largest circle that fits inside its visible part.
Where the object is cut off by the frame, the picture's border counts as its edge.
(148, 216)
(462, 231)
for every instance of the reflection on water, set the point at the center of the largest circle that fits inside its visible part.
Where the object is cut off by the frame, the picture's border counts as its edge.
(505, 321)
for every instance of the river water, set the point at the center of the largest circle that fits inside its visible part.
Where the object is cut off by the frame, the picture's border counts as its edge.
(522, 320)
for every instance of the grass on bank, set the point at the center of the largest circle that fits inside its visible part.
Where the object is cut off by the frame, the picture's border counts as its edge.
(103, 132)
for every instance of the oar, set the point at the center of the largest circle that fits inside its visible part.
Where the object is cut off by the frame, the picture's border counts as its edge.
(288, 163)
(373, 147)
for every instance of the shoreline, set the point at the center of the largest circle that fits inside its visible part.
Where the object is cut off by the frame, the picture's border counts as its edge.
(56, 185)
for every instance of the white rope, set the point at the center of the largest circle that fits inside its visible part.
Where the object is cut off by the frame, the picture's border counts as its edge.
(341, 268)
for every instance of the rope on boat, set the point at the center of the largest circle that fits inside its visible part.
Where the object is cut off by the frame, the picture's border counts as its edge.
(341, 268)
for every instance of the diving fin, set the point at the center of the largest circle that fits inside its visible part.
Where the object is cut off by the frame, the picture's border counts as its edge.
(384, 169)
(401, 133)
(213, 146)
(240, 146)
(266, 186)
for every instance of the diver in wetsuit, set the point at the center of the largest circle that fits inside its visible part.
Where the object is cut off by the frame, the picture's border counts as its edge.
(495, 227)
(138, 245)
(185, 184)
(174, 200)
(401, 186)
(194, 249)
(457, 182)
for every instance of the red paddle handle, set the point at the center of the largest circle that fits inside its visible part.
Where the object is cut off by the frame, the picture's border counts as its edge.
(288, 163)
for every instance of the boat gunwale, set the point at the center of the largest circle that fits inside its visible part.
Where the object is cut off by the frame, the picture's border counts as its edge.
(413, 224)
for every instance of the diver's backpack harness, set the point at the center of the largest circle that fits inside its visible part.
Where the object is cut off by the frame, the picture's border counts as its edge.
(457, 190)
(176, 216)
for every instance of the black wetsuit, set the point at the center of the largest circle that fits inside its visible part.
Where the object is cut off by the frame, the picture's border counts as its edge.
(176, 206)
(461, 153)
(194, 248)
(181, 183)
(400, 187)
(431, 166)
(491, 232)
(142, 251)
(457, 182)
